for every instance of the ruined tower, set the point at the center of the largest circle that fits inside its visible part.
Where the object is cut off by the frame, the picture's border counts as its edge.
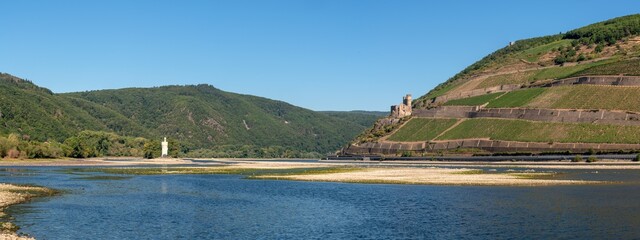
(402, 110)
(406, 100)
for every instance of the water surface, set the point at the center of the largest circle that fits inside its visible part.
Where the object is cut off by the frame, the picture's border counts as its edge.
(229, 207)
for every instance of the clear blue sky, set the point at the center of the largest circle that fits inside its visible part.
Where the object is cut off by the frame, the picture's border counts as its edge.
(317, 54)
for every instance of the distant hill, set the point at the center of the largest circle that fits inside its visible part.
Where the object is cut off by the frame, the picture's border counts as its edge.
(363, 118)
(572, 92)
(196, 116)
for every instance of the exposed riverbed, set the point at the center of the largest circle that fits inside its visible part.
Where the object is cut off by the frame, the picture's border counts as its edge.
(106, 205)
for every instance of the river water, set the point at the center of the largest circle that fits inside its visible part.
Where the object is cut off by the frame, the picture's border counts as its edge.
(230, 207)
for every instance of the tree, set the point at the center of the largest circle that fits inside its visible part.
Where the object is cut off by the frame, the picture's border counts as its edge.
(152, 149)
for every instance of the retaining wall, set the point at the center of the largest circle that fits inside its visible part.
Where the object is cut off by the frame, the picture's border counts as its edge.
(477, 92)
(446, 112)
(598, 80)
(555, 115)
(547, 115)
(488, 145)
(592, 80)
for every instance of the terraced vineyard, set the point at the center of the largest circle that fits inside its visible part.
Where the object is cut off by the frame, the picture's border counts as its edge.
(595, 108)
(422, 129)
(589, 97)
(528, 131)
(473, 101)
(629, 68)
(528, 77)
(516, 98)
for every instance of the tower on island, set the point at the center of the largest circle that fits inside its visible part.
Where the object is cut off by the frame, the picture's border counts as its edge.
(165, 148)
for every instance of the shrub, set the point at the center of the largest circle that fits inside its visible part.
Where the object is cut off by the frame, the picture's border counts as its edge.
(577, 158)
(560, 60)
(581, 58)
(599, 48)
(592, 159)
(13, 153)
(637, 159)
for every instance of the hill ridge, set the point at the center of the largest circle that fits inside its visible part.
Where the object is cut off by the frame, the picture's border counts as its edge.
(581, 87)
(194, 116)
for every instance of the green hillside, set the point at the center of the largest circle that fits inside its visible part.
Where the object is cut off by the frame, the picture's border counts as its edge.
(196, 117)
(537, 73)
(422, 129)
(363, 118)
(528, 131)
(600, 40)
(203, 116)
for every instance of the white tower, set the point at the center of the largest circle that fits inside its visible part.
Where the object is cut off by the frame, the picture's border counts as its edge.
(165, 148)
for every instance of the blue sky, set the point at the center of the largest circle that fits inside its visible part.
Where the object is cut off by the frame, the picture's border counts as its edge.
(317, 54)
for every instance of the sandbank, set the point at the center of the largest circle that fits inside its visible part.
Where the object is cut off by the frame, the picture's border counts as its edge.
(15, 194)
(432, 176)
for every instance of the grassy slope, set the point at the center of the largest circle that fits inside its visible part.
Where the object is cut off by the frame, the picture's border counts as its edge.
(516, 98)
(473, 101)
(526, 131)
(544, 74)
(519, 98)
(534, 54)
(422, 129)
(590, 97)
(531, 50)
(629, 68)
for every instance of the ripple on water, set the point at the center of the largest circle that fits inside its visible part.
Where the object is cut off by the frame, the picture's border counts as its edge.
(229, 207)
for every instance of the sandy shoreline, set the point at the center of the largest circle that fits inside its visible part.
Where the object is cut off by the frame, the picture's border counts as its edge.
(275, 163)
(433, 176)
(16, 194)
(396, 172)
(426, 173)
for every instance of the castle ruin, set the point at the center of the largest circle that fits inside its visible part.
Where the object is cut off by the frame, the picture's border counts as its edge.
(402, 110)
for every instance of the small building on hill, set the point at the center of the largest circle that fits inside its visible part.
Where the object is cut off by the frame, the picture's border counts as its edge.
(402, 110)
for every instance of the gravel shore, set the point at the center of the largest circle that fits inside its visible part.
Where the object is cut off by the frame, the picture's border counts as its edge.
(15, 194)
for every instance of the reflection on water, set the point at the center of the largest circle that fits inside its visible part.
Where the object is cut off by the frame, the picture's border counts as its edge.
(228, 207)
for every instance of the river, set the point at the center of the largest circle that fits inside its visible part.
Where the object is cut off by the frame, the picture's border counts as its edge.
(230, 207)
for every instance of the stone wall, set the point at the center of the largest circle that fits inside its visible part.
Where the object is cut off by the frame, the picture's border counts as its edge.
(598, 80)
(488, 145)
(477, 92)
(592, 80)
(555, 115)
(446, 112)
(547, 115)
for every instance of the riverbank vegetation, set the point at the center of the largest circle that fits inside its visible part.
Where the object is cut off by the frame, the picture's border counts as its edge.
(89, 144)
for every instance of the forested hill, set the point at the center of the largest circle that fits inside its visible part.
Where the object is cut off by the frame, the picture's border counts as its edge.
(198, 117)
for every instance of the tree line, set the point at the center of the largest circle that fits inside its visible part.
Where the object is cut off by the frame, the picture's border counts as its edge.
(88, 144)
